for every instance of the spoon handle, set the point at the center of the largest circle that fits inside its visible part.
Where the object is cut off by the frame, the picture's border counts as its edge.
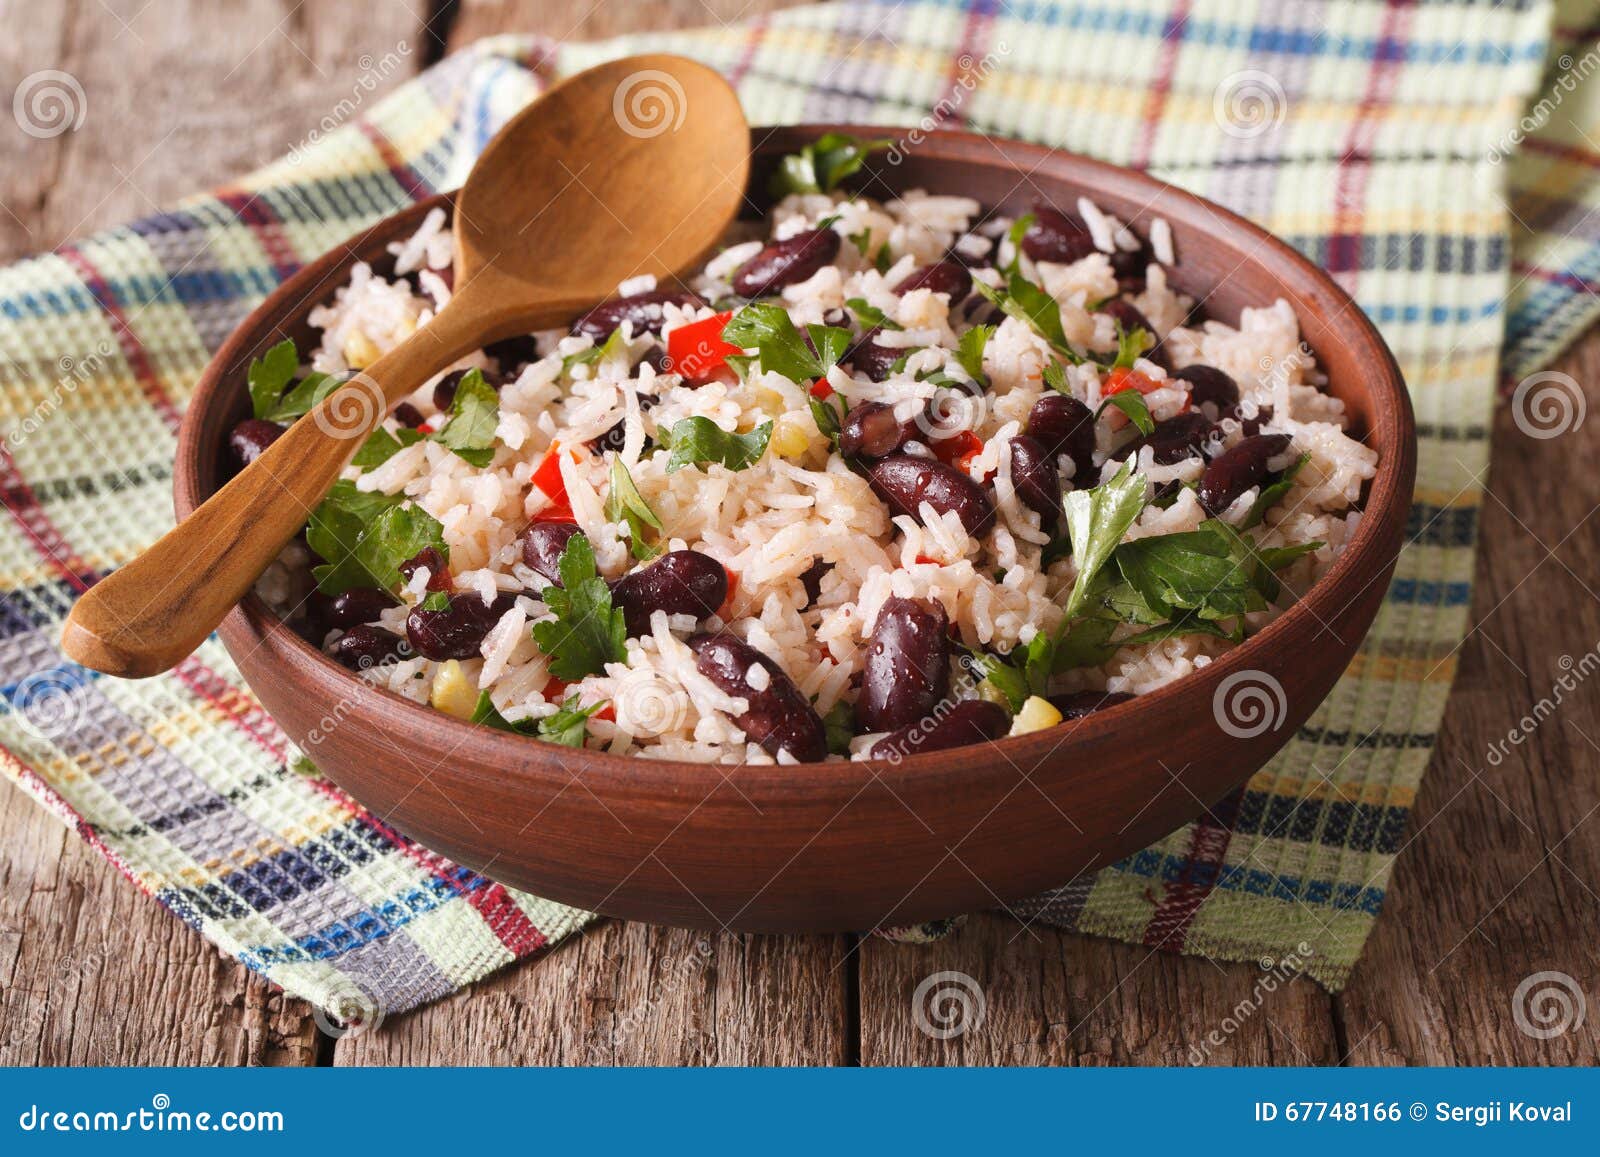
(147, 616)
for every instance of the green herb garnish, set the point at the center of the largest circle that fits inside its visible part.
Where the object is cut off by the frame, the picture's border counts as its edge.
(474, 414)
(768, 330)
(870, 315)
(365, 537)
(1096, 521)
(568, 726)
(698, 441)
(625, 504)
(1131, 403)
(969, 352)
(1271, 495)
(823, 164)
(840, 726)
(270, 376)
(587, 631)
(381, 446)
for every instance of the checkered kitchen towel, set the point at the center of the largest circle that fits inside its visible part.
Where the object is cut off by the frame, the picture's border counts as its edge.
(1386, 140)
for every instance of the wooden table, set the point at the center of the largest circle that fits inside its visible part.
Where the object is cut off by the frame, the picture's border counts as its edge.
(1500, 877)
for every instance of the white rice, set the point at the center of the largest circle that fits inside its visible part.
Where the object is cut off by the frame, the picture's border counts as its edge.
(769, 523)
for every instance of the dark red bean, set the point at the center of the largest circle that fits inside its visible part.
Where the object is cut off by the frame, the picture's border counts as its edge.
(457, 631)
(1129, 266)
(1035, 477)
(355, 606)
(1209, 386)
(907, 668)
(543, 543)
(438, 569)
(444, 391)
(865, 356)
(365, 647)
(408, 415)
(1130, 318)
(684, 582)
(1077, 704)
(644, 310)
(970, 721)
(656, 358)
(811, 580)
(1054, 236)
(513, 353)
(871, 430)
(1065, 425)
(786, 262)
(1237, 469)
(942, 277)
(778, 717)
(1171, 441)
(835, 317)
(905, 483)
(1251, 426)
(251, 437)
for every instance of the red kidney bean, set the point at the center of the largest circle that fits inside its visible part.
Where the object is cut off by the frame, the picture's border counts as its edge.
(408, 415)
(1209, 386)
(355, 606)
(1251, 426)
(1065, 425)
(644, 310)
(1054, 236)
(1130, 318)
(867, 357)
(907, 668)
(364, 647)
(684, 582)
(970, 721)
(457, 631)
(513, 353)
(1035, 477)
(778, 717)
(1077, 704)
(251, 437)
(786, 262)
(905, 483)
(438, 570)
(871, 430)
(1237, 469)
(942, 277)
(656, 358)
(835, 317)
(543, 543)
(811, 580)
(1129, 266)
(444, 391)
(1173, 440)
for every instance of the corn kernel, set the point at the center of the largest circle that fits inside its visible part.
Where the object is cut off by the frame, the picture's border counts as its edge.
(1036, 715)
(770, 401)
(789, 438)
(359, 352)
(453, 693)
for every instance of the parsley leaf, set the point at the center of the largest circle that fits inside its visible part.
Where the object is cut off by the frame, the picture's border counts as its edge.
(827, 417)
(474, 414)
(1130, 345)
(1086, 644)
(1187, 625)
(568, 726)
(613, 347)
(1029, 303)
(302, 398)
(969, 352)
(768, 330)
(1096, 521)
(486, 713)
(1131, 403)
(270, 376)
(698, 441)
(839, 724)
(365, 538)
(381, 446)
(870, 315)
(821, 165)
(1207, 571)
(1055, 376)
(1014, 235)
(587, 631)
(624, 503)
(1271, 495)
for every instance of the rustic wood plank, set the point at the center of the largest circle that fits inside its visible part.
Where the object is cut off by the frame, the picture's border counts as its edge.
(563, 20)
(94, 973)
(1502, 876)
(629, 994)
(178, 97)
(1050, 998)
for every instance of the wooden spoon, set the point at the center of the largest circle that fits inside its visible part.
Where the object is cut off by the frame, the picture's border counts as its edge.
(633, 167)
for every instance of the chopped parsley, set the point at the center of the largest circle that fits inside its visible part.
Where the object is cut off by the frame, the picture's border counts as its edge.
(625, 504)
(474, 414)
(767, 329)
(587, 631)
(365, 537)
(698, 441)
(823, 164)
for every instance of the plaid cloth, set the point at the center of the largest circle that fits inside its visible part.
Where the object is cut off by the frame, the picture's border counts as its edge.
(1381, 138)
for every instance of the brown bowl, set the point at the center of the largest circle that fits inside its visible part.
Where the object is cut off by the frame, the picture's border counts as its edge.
(855, 845)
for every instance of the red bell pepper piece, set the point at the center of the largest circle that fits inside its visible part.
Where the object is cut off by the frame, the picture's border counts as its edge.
(697, 350)
(821, 389)
(547, 479)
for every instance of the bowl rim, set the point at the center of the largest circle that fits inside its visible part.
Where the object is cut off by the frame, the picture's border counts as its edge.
(1372, 548)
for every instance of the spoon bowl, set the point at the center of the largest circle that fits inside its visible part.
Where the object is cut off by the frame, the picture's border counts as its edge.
(632, 167)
